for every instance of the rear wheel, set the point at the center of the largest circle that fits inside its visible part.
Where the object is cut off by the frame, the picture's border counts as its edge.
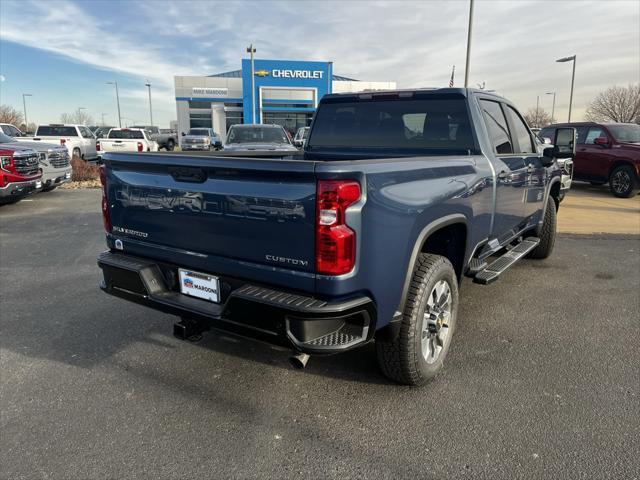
(623, 182)
(546, 233)
(417, 354)
(170, 145)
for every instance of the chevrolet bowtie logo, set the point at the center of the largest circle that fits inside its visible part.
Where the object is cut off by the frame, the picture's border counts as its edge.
(262, 73)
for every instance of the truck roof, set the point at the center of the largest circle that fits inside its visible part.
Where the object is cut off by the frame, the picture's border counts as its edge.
(409, 92)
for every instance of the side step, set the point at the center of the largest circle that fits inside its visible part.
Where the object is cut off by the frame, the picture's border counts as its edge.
(497, 267)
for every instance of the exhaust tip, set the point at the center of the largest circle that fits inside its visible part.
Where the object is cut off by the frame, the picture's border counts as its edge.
(299, 360)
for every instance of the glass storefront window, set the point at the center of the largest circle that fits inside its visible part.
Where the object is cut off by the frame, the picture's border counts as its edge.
(234, 118)
(289, 120)
(200, 120)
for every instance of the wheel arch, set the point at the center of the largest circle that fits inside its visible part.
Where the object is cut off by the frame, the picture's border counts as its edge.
(447, 225)
(621, 162)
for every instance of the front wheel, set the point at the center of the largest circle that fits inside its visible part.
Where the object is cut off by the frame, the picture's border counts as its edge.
(417, 354)
(170, 146)
(623, 182)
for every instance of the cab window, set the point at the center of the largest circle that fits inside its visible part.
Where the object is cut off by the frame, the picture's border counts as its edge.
(497, 126)
(523, 142)
(594, 132)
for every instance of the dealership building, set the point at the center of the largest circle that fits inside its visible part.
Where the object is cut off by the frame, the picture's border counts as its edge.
(279, 91)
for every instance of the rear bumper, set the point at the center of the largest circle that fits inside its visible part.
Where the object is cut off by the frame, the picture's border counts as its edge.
(302, 322)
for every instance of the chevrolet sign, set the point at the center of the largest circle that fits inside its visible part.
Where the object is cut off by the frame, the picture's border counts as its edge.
(296, 73)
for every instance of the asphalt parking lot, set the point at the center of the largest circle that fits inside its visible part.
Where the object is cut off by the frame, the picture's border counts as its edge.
(542, 380)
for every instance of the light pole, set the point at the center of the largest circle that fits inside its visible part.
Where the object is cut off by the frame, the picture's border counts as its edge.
(118, 101)
(553, 105)
(538, 111)
(572, 58)
(148, 85)
(252, 50)
(466, 67)
(24, 106)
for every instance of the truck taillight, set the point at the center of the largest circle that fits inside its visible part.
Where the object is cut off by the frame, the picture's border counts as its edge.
(140, 146)
(62, 141)
(335, 241)
(106, 217)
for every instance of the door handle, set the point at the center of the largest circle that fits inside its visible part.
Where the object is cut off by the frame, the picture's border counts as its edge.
(503, 174)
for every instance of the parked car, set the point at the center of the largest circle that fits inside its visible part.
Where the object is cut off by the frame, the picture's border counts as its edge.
(606, 153)
(11, 130)
(19, 172)
(126, 140)
(78, 139)
(168, 141)
(258, 137)
(54, 161)
(102, 132)
(301, 136)
(201, 139)
(399, 195)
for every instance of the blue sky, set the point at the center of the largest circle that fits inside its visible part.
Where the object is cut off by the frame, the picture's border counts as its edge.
(63, 52)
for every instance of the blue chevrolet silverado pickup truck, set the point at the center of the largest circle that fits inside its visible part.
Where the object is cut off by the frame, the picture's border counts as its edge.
(364, 237)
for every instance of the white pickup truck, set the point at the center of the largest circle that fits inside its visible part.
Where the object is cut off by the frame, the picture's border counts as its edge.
(126, 140)
(78, 139)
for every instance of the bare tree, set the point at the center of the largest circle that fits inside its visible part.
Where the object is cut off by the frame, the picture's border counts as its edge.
(31, 128)
(78, 117)
(616, 104)
(538, 118)
(10, 115)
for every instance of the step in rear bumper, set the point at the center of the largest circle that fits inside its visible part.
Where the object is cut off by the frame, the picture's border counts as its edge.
(307, 324)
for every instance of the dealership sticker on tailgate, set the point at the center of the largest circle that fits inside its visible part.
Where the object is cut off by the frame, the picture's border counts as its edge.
(199, 285)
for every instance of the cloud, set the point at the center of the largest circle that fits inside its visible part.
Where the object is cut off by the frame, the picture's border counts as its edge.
(514, 48)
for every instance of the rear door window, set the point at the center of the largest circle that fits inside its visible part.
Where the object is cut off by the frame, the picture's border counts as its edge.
(522, 138)
(497, 126)
(594, 132)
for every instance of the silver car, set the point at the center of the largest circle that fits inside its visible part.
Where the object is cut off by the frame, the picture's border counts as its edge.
(258, 137)
(201, 139)
(53, 159)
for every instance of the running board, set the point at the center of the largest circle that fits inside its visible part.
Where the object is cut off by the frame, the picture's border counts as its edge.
(500, 265)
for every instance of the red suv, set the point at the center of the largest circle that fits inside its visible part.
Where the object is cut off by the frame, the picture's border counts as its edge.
(606, 152)
(19, 173)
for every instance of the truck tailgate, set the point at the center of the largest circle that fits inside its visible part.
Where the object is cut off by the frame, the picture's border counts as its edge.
(119, 145)
(249, 210)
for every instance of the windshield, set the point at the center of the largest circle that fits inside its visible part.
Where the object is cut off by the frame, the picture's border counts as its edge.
(199, 131)
(414, 124)
(256, 135)
(625, 133)
(127, 134)
(6, 138)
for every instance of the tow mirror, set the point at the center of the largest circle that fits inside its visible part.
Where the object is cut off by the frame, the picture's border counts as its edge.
(602, 141)
(184, 134)
(564, 145)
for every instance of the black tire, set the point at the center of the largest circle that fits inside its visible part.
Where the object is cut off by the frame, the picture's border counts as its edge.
(546, 233)
(170, 145)
(49, 188)
(623, 182)
(76, 153)
(402, 359)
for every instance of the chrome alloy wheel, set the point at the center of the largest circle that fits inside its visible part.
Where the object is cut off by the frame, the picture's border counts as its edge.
(621, 182)
(435, 324)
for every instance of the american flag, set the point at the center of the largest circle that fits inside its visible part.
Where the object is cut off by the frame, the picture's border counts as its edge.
(453, 70)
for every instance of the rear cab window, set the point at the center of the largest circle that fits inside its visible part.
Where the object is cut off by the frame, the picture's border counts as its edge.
(56, 131)
(426, 124)
(126, 134)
